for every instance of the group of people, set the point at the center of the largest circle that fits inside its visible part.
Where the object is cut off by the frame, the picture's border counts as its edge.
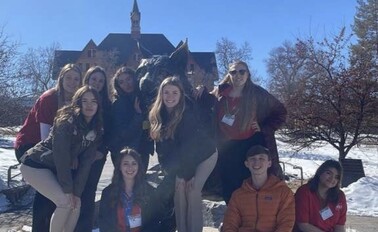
(65, 139)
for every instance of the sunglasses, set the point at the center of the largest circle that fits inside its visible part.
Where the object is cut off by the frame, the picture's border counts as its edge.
(241, 72)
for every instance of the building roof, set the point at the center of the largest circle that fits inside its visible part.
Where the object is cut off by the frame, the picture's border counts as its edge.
(63, 57)
(206, 60)
(123, 43)
(135, 7)
(156, 44)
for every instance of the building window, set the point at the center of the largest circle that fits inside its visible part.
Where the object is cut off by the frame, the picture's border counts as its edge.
(91, 53)
(191, 69)
(87, 66)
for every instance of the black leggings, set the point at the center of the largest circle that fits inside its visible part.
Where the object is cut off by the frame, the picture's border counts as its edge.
(231, 163)
(87, 211)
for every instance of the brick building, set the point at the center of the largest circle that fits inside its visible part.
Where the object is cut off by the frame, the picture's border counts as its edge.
(128, 49)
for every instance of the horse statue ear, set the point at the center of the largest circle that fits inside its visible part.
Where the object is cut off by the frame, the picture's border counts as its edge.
(179, 58)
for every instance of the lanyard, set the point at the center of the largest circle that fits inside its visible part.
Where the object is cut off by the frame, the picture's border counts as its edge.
(128, 206)
(228, 112)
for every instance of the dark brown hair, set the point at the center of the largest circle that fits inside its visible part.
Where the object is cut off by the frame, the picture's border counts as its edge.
(117, 90)
(332, 193)
(73, 110)
(118, 183)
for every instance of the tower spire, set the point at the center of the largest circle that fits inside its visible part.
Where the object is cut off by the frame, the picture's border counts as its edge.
(135, 21)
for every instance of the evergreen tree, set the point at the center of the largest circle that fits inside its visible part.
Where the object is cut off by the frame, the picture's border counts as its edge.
(365, 27)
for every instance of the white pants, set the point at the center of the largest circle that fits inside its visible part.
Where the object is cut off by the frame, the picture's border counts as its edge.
(65, 216)
(188, 203)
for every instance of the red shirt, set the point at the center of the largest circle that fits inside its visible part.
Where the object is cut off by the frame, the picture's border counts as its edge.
(123, 224)
(308, 206)
(229, 106)
(43, 111)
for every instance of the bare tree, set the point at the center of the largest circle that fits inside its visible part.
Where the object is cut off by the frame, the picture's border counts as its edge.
(36, 66)
(331, 102)
(11, 87)
(227, 51)
(286, 68)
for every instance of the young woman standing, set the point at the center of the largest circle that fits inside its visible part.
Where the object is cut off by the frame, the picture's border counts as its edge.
(186, 153)
(246, 115)
(96, 78)
(127, 116)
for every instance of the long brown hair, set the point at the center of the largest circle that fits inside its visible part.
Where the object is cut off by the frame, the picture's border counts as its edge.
(104, 91)
(117, 89)
(332, 193)
(118, 183)
(59, 85)
(158, 131)
(247, 103)
(73, 110)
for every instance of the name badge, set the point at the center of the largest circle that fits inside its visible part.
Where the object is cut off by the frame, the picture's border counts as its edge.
(326, 213)
(228, 119)
(135, 221)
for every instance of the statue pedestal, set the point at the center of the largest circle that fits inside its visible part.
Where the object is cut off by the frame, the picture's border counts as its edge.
(353, 170)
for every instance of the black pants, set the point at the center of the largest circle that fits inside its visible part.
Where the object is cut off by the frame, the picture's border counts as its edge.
(19, 152)
(87, 211)
(43, 209)
(165, 204)
(231, 163)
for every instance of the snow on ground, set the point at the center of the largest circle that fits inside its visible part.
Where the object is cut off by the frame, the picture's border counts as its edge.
(362, 196)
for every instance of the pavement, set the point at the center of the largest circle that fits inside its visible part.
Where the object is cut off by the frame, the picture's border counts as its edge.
(18, 218)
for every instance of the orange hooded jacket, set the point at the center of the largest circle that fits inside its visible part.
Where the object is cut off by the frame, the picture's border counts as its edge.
(272, 208)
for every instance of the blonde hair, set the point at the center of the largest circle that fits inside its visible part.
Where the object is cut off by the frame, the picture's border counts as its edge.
(59, 85)
(247, 103)
(158, 131)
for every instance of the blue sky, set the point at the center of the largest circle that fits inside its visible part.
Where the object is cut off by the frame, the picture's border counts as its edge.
(264, 24)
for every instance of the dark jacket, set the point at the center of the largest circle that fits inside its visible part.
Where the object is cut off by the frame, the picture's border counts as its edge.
(126, 124)
(270, 112)
(191, 145)
(150, 208)
(68, 141)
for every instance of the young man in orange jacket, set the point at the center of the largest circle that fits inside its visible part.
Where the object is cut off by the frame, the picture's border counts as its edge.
(263, 202)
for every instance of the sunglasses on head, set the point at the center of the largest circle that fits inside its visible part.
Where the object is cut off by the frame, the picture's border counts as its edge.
(241, 72)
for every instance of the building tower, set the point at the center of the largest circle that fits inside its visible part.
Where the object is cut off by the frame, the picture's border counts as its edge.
(135, 22)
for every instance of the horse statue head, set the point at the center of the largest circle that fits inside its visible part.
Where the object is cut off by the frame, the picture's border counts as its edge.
(152, 71)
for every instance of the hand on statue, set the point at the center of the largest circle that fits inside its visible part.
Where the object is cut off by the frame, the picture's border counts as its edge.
(198, 91)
